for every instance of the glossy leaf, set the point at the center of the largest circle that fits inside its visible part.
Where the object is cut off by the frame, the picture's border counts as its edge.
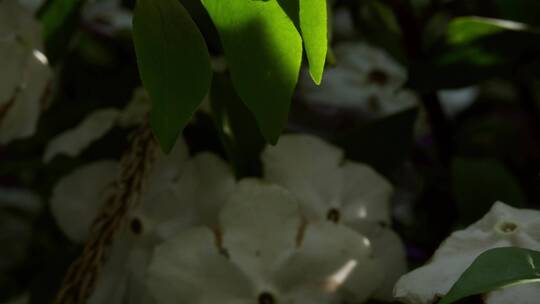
(264, 51)
(174, 65)
(313, 25)
(493, 269)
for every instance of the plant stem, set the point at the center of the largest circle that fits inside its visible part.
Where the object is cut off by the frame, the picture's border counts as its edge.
(412, 42)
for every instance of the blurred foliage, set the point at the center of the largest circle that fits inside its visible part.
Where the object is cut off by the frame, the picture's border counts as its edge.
(480, 182)
(494, 143)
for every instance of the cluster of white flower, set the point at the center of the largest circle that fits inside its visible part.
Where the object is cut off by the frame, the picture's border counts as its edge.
(25, 74)
(365, 78)
(313, 229)
(503, 226)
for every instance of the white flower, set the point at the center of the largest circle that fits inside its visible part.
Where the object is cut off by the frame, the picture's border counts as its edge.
(73, 142)
(364, 78)
(77, 197)
(96, 125)
(262, 255)
(25, 73)
(330, 187)
(179, 192)
(502, 226)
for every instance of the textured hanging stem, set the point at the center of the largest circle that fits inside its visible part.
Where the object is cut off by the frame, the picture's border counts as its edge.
(81, 277)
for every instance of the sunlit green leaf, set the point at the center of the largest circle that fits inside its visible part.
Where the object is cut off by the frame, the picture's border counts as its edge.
(313, 24)
(174, 64)
(493, 269)
(264, 51)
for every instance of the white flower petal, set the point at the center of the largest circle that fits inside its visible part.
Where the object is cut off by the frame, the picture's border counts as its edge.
(194, 199)
(17, 20)
(136, 110)
(366, 196)
(21, 118)
(123, 278)
(260, 224)
(306, 166)
(111, 285)
(12, 60)
(502, 226)
(331, 258)
(425, 284)
(73, 142)
(168, 167)
(526, 293)
(190, 269)
(501, 213)
(364, 78)
(389, 251)
(457, 100)
(78, 196)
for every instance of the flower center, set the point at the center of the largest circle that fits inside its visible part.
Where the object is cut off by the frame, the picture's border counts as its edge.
(505, 227)
(136, 226)
(333, 215)
(266, 298)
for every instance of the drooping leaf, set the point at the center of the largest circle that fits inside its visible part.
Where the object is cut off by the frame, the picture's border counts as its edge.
(174, 64)
(237, 127)
(480, 182)
(263, 50)
(313, 25)
(493, 269)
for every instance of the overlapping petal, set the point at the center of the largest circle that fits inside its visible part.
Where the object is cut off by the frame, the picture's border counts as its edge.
(502, 226)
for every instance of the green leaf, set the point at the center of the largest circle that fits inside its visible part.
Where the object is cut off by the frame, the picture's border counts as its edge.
(493, 269)
(237, 127)
(60, 22)
(483, 47)
(313, 24)
(264, 51)
(54, 15)
(174, 64)
(478, 183)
